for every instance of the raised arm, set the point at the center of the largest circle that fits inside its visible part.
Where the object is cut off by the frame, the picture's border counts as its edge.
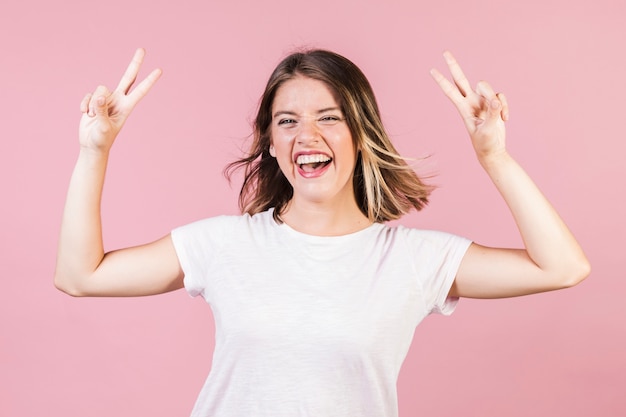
(83, 269)
(552, 258)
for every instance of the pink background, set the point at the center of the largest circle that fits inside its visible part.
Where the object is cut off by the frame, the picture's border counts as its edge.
(561, 64)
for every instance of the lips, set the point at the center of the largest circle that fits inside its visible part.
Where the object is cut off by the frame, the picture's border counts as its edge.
(312, 164)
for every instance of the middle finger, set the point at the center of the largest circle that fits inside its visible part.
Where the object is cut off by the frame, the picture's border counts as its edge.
(130, 75)
(457, 74)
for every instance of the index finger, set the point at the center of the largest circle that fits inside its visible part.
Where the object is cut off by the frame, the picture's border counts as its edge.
(144, 86)
(450, 90)
(130, 75)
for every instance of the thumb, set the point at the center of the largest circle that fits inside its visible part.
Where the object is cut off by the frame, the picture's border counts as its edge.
(102, 116)
(102, 108)
(494, 111)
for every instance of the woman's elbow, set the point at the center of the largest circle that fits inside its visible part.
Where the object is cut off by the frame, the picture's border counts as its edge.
(577, 272)
(63, 284)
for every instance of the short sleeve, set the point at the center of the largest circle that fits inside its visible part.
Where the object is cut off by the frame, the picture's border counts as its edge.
(197, 246)
(437, 256)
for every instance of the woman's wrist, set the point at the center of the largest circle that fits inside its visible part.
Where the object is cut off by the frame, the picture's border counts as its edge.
(494, 160)
(93, 154)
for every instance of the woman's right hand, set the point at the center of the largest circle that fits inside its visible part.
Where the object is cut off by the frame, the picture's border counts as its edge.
(104, 111)
(83, 268)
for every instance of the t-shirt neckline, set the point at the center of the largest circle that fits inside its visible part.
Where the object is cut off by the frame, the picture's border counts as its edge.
(348, 236)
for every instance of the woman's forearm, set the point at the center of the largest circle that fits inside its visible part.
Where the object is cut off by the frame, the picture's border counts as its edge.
(548, 241)
(80, 248)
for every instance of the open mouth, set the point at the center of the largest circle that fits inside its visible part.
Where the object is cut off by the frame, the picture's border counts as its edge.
(312, 163)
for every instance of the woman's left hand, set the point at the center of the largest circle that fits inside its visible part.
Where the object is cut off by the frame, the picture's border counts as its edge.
(483, 111)
(552, 258)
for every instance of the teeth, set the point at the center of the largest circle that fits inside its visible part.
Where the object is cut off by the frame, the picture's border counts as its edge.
(311, 159)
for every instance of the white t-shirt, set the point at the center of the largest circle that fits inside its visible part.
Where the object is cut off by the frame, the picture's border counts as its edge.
(309, 325)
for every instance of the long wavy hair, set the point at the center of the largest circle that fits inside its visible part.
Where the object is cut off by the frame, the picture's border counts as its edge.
(385, 186)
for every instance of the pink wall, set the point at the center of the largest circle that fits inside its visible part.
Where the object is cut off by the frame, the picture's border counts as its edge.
(561, 63)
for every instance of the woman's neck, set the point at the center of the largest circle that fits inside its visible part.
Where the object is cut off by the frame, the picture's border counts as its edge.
(324, 220)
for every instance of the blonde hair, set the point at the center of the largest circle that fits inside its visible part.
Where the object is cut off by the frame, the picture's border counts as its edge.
(385, 186)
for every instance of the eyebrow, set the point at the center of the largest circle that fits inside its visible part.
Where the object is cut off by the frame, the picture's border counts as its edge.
(291, 113)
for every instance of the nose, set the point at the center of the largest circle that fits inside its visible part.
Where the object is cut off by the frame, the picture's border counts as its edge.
(308, 131)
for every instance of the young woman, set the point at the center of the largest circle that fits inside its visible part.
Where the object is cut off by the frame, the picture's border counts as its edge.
(315, 298)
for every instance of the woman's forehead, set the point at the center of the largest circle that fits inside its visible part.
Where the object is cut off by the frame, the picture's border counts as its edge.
(304, 94)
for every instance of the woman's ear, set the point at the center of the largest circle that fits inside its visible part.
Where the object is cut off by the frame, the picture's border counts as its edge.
(272, 151)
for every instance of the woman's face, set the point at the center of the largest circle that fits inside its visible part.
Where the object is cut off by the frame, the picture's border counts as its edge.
(312, 142)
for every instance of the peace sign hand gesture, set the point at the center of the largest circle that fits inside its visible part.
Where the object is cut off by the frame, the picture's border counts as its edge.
(483, 111)
(104, 111)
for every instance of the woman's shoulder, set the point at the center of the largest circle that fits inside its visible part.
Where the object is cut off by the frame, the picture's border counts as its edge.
(228, 222)
(423, 237)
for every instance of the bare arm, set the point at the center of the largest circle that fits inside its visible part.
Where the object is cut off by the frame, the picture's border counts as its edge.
(551, 258)
(82, 267)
